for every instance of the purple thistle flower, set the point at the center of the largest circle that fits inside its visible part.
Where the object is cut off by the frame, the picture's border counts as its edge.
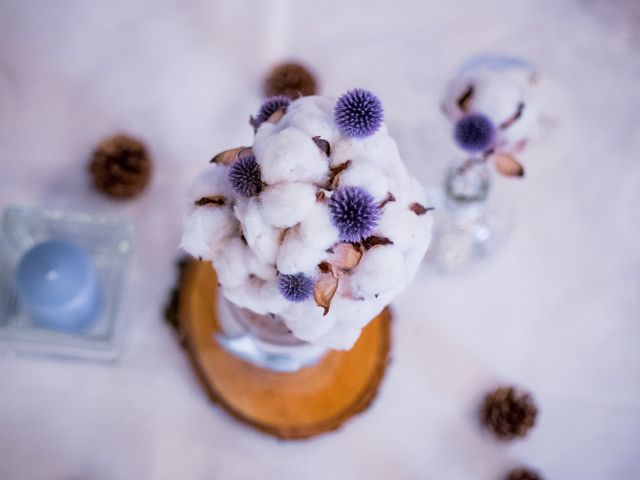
(295, 288)
(270, 106)
(354, 212)
(358, 113)
(244, 176)
(474, 133)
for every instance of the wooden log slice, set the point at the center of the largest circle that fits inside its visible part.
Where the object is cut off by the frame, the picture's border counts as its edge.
(293, 405)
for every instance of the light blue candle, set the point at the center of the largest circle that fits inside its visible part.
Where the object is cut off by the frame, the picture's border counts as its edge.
(58, 286)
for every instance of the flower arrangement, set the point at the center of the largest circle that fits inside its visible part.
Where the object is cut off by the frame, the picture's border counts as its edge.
(317, 222)
(494, 116)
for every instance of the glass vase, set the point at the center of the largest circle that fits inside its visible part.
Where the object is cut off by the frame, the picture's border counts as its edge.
(263, 340)
(468, 226)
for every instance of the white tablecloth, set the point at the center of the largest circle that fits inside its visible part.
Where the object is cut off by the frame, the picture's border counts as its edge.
(556, 311)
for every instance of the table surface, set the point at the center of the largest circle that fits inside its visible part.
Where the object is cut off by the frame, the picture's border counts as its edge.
(556, 311)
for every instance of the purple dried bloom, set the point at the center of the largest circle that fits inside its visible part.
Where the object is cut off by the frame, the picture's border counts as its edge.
(474, 133)
(270, 106)
(354, 212)
(244, 176)
(295, 288)
(358, 113)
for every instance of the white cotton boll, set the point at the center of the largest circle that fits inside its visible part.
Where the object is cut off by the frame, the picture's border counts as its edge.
(416, 191)
(231, 265)
(213, 180)
(206, 229)
(272, 299)
(317, 231)
(345, 148)
(247, 295)
(287, 204)
(403, 227)
(496, 97)
(339, 337)
(259, 268)
(261, 237)
(265, 130)
(290, 156)
(380, 269)
(306, 320)
(356, 313)
(370, 177)
(295, 256)
(309, 115)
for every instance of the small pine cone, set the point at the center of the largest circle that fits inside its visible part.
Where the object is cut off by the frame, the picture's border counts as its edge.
(120, 166)
(290, 79)
(508, 413)
(523, 474)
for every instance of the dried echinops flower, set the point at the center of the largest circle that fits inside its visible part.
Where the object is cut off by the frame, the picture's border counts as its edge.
(296, 288)
(474, 133)
(244, 176)
(358, 113)
(268, 108)
(355, 212)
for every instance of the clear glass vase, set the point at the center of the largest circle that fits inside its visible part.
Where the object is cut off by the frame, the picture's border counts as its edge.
(263, 340)
(468, 226)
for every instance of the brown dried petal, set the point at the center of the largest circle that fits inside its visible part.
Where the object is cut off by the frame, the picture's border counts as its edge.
(346, 256)
(335, 172)
(374, 241)
(326, 287)
(276, 116)
(512, 119)
(253, 121)
(320, 196)
(465, 99)
(388, 198)
(322, 144)
(229, 156)
(507, 165)
(419, 209)
(217, 200)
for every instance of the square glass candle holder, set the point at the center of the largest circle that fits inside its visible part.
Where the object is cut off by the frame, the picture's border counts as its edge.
(106, 240)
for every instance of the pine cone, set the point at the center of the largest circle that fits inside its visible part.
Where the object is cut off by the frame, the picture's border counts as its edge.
(290, 79)
(120, 166)
(508, 413)
(523, 474)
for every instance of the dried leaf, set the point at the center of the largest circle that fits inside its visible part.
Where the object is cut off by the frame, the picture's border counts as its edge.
(465, 99)
(374, 241)
(346, 256)
(335, 172)
(419, 209)
(388, 198)
(276, 116)
(217, 200)
(512, 119)
(322, 145)
(326, 267)
(229, 156)
(326, 287)
(507, 165)
(320, 196)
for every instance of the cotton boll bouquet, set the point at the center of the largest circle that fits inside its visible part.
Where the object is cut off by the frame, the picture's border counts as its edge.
(494, 114)
(318, 222)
